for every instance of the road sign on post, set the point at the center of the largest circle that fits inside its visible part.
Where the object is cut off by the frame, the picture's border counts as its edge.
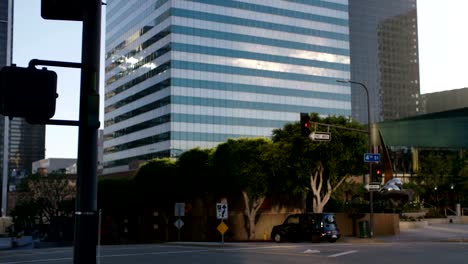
(371, 157)
(374, 186)
(179, 209)
(221, 211)
(179, 223)
(320, 136)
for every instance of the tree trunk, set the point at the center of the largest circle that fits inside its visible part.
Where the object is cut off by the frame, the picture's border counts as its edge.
(316, 183)
(251, 212)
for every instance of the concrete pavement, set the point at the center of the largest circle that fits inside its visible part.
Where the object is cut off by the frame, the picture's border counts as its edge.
(9, 243)
(430, 233)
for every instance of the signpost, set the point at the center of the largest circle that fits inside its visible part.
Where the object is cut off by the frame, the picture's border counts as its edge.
(222, 213)
(179, 210)
(320, 136)
(222, 228)
(371, 157)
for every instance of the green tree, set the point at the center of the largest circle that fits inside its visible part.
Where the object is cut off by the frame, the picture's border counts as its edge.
(194, 172)
(241, 166)
(157, 187)
(318, 167)
(53, 194)
(193, 168)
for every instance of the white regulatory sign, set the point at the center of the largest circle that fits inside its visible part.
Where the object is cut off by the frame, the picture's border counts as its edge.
(320, 136)
(179, 209)
(221, 211)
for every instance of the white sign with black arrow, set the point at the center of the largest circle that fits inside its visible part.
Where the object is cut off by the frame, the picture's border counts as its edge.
(221, 211)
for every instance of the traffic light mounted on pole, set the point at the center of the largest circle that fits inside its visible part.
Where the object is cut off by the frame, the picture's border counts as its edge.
(305, 124)
(28, 92)
(377, 172)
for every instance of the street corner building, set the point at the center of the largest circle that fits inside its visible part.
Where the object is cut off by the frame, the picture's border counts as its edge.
(181, 74)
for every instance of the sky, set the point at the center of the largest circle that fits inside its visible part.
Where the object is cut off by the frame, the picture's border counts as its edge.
(443, 57)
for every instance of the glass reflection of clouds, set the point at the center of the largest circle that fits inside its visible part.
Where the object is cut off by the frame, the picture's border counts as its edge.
(260, 65)
(258, 80)
(265, 49)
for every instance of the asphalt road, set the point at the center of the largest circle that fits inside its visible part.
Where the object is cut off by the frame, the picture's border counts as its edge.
(258, 253)
(443, 243)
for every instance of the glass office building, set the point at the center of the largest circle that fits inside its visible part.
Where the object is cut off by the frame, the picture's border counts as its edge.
(182, 74)
(26, 143)
(384, 57)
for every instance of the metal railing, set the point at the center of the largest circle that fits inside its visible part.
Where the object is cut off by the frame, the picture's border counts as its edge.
(463, 211)
(450, 210)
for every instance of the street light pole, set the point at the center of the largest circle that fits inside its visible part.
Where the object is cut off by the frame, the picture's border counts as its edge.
(369, 149)
(6, 123)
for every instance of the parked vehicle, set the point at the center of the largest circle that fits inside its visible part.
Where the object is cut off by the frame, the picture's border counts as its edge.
(316, 227)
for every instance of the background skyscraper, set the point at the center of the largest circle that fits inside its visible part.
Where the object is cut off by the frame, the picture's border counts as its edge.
(182, 74)
(26, 143)
(384, 56)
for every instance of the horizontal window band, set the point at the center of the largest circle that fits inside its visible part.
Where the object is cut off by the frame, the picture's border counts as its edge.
(136, 96)
(206, 67)
(131, 10)
(257, 56)
(177, 29)
(145, 76)
(146, 108)
(138, 143)
(138, 127)
(222, 86)
(259, 24)
(224, 103)
(285, 12)
(127, 161)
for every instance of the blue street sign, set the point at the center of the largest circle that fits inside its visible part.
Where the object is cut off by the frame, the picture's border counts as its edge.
(371, 157)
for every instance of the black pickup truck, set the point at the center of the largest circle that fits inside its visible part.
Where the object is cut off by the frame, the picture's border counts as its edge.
(314, 227)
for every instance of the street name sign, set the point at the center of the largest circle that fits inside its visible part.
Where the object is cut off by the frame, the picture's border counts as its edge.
(371, 157)
(374, 186)
(221, 210)
(320, 136)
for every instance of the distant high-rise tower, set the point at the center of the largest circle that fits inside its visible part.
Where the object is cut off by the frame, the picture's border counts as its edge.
(182, 74)
(26, 142)
(384, 56)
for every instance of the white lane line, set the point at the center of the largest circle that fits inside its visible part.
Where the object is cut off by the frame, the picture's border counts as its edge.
(342, 253)
(37, 261)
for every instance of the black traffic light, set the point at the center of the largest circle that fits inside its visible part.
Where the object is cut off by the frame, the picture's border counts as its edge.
(28, 92)
(377, 171)
(62, 9)
(305, 124)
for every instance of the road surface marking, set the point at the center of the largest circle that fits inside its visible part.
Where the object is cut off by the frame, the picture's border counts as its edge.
(311, 251)
(342, 253)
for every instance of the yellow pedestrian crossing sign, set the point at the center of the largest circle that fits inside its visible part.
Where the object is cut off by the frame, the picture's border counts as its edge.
(222, 228)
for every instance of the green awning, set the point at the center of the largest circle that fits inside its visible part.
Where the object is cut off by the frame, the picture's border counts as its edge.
(448, 129)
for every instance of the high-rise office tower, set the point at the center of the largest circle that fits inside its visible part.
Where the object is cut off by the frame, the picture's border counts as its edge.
(384, 57)
(182, 74)
(26, 143)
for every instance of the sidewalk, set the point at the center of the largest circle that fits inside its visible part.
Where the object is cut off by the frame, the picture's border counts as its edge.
(6, 242)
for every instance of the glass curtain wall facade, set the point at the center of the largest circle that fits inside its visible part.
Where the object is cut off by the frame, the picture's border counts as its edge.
(185, 74)
(384, 56)
(26, 142)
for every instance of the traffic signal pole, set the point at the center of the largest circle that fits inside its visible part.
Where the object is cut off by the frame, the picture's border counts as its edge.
(86, 199)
